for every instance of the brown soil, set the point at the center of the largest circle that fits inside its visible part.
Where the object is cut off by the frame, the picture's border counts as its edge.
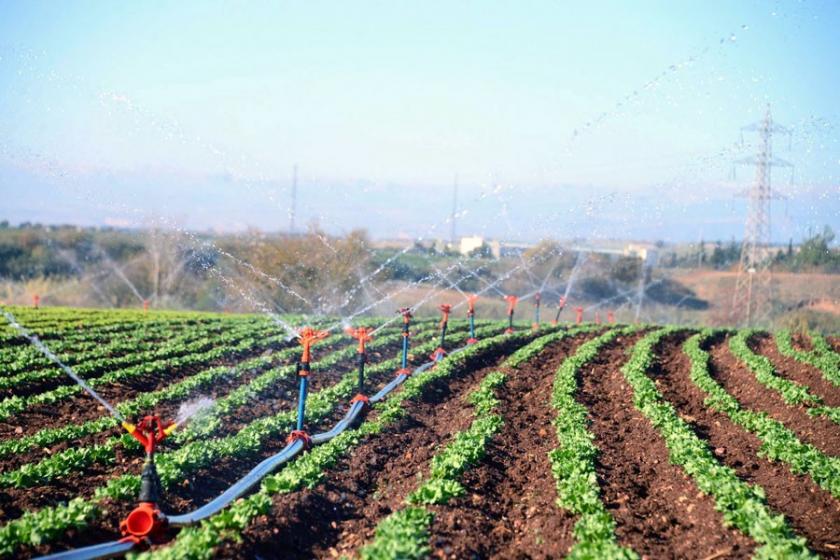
(796, 371)
(510, 506)
(740, 382)
(801, 341)
(659, 511)
(810, 510)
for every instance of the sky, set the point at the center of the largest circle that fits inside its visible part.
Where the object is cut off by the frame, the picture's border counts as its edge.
(556, 119)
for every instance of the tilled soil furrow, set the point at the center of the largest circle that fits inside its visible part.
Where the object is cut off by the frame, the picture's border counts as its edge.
(367, 485)
(510, 507)
(740, 382)
(811, 511)
(797, 371)
(659, 511)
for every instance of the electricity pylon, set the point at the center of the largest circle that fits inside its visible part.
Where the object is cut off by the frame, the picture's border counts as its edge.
(751, 302)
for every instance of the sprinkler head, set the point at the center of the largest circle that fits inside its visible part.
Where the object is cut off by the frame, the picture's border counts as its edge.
(471, 304)
(150, 431)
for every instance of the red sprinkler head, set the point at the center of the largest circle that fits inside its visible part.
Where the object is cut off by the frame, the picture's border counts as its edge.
(150, 431)
(511, 301)
(145, 306)
(562, 302)
(610, 317)
(36, 301)
(471, 304)
(307, 336)
(362, 334)
(406, 313)
(538, 297)
(445, 309)
(579, 313)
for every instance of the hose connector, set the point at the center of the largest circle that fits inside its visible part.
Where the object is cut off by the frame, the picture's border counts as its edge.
(301, 435)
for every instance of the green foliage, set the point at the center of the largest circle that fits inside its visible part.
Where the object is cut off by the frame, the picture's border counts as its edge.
(791, 392)
(778, 442)
(826, 361)
(742, 505)
(404, 534)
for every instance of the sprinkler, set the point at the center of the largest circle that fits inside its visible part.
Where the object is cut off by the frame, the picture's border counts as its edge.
(560, 305)
(362, 334)
(440, 353)
(36, 301)
(471, 316)
(610, 317)
(597, 318)
(578, 315)
(537, 298)
(406, 315)
(511, 301)
(146, 523)
(145, 306)
(307, 336)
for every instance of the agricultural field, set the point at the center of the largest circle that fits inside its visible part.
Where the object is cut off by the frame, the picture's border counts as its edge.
(573, 440)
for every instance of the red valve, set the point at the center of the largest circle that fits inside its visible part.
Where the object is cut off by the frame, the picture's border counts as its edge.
(362, 334)
(307, 336)
(144, 522)
(150, 431)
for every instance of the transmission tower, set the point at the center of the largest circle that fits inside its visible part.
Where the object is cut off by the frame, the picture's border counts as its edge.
(751, 302)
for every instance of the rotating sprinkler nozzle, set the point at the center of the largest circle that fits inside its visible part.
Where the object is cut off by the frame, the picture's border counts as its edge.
(307, 336)
(537, 300)
(560, 305)
(578, 315)
(145, 306)
(440, 353)
(406, 315)
(511, 301)
(362, 334)
(146, 523)
(471, 316)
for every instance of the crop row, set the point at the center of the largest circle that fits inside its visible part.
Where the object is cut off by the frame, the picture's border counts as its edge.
(199, 542)
(35, 527)
(741, 504)
(778, 443)
(573, 461)
(821, 356)
(791, 392)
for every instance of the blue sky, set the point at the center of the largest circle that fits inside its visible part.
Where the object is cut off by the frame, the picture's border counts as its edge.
(603, 119)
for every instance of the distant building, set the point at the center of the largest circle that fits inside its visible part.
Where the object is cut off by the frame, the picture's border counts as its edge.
(648, 253)
(470, 244)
